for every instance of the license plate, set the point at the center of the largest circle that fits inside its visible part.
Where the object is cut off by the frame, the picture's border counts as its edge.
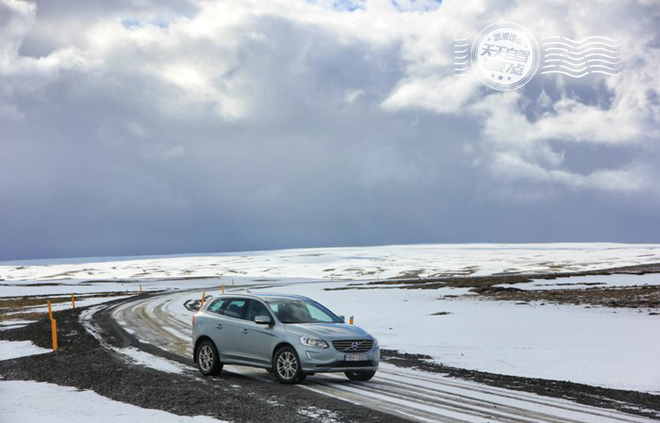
(356, 357)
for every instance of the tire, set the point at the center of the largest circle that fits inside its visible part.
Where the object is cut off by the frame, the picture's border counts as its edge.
(287, 366)
(360, 376)
(208, 359)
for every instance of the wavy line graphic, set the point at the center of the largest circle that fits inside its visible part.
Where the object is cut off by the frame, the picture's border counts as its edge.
(559, 43)
(461, 60)
(582, 52)
(565, 73)
(577, 58)
(587, 55)
(582, 40)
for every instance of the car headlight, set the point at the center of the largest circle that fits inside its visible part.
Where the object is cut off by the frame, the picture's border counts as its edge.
(375, 342)
(311, 342)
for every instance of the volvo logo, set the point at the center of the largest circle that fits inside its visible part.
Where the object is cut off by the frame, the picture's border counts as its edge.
(355, 345)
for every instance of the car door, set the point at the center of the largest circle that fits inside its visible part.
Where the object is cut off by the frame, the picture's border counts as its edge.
(232, 325)
(257, 339)
(213, 325)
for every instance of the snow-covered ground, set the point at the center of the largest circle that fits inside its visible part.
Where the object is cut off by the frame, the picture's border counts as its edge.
(15, 349)
(76, 286)
(598, 346)
(346, 263)
(28, 401)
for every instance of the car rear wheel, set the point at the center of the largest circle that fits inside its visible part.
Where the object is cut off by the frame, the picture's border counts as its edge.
(286, 365)
(208, 359)
(360, 376)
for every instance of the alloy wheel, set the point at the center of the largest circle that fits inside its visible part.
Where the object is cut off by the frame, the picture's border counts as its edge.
(287, 365)
(205, 358)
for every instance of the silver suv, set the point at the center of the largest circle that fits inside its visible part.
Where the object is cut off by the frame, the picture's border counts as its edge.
(289, 335)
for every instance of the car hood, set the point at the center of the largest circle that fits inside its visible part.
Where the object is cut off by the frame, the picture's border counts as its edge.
(327, 331)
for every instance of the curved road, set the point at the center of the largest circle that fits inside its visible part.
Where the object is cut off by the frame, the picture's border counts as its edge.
(165, 322)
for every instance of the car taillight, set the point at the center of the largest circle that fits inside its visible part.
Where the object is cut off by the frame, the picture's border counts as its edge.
(193, 320)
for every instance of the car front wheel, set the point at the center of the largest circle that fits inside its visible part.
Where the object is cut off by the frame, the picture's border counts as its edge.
(360, 376)
(287, 367)
(208, 359)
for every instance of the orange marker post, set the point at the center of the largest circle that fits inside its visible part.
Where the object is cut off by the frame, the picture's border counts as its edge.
(73, 301)
(223, 289)
(203, 296)
(351, 320)
(50, 311)
(53, 324)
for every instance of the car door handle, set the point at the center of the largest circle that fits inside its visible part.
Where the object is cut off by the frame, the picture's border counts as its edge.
(244, 331)
(219, 326)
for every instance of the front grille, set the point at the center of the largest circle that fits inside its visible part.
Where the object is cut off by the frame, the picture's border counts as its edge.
(353, 345)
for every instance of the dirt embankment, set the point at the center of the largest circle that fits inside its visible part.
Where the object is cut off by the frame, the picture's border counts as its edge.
(488, 281)
(639, 297)
(503, 288)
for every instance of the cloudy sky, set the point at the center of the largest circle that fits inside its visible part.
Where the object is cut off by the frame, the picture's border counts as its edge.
(157, 126)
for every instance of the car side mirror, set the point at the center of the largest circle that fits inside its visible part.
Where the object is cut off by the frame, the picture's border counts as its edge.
(342, 318)
(263, 320)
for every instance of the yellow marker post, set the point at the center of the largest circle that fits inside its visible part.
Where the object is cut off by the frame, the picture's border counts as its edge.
(350, 321)
(50, 311)
(73, 301)
(203, 296)
(223, 289)
(53, 324)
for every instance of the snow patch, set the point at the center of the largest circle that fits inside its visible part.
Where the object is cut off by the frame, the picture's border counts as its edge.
(16, 349)
(319, 414)
(28, 401)
(149, 360)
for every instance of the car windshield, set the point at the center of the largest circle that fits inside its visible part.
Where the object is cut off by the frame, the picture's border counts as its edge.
(297, 311)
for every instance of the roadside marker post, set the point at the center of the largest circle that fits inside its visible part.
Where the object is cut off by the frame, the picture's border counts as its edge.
(141, 291)
(203, 296)
(73, 301)
(351, 320)
(53, 325)
(223, 289)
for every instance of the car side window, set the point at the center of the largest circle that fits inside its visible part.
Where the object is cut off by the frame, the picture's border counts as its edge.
(234, 308)
(216, 306)
(255, 308)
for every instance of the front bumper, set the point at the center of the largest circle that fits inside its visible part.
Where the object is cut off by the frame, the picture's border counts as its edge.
(321, 360)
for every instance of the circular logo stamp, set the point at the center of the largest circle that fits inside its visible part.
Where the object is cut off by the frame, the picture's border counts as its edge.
(505, 56)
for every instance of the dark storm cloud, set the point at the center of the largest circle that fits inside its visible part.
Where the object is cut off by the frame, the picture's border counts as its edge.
(217, 127)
